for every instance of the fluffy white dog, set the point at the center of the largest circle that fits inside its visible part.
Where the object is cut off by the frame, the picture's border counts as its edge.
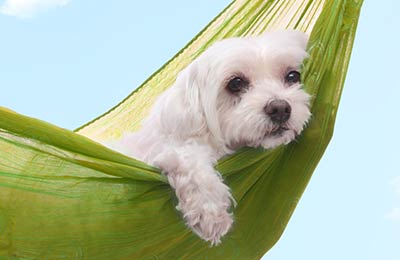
(239, 92)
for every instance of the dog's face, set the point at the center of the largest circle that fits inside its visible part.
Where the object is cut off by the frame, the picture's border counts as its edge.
(247, 91)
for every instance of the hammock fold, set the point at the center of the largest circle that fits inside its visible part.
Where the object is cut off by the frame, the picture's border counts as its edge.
(65, 196)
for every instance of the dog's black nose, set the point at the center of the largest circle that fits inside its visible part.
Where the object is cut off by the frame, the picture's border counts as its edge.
(278, 110)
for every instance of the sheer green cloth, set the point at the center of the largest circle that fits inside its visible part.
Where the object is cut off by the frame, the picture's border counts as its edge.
(64, 196)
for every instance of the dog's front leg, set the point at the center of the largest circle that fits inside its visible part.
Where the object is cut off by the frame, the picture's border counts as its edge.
(204, 199)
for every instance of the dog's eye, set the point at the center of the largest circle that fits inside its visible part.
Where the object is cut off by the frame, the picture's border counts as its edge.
(236, 84)
(292, 77)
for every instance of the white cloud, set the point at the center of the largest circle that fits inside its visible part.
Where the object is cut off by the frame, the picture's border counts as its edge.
(394, 215)
(29, 8)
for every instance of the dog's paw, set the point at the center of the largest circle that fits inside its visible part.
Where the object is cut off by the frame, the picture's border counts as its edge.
(209, 221)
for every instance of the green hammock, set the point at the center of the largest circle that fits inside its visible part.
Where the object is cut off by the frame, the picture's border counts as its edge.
(64, 196)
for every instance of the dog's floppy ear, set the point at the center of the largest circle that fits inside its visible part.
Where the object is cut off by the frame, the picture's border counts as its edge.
(180, 106)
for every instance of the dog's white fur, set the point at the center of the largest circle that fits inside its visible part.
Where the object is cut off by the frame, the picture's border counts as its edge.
(197, 121)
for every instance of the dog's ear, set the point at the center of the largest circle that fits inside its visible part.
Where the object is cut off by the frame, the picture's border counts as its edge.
(188, 107)
(180, 107)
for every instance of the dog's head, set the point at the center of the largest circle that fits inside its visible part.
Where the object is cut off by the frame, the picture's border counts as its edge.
(243, 92)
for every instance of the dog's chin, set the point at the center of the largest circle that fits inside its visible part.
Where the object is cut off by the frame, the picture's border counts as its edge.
(279, 135)
(277, 131)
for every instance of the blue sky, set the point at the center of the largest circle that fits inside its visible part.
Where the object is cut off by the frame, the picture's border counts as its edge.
(67, 61)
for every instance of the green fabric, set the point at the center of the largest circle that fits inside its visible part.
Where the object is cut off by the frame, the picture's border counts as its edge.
(64, 196)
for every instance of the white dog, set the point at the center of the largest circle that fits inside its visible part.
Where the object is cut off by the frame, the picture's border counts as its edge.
(239, 92)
